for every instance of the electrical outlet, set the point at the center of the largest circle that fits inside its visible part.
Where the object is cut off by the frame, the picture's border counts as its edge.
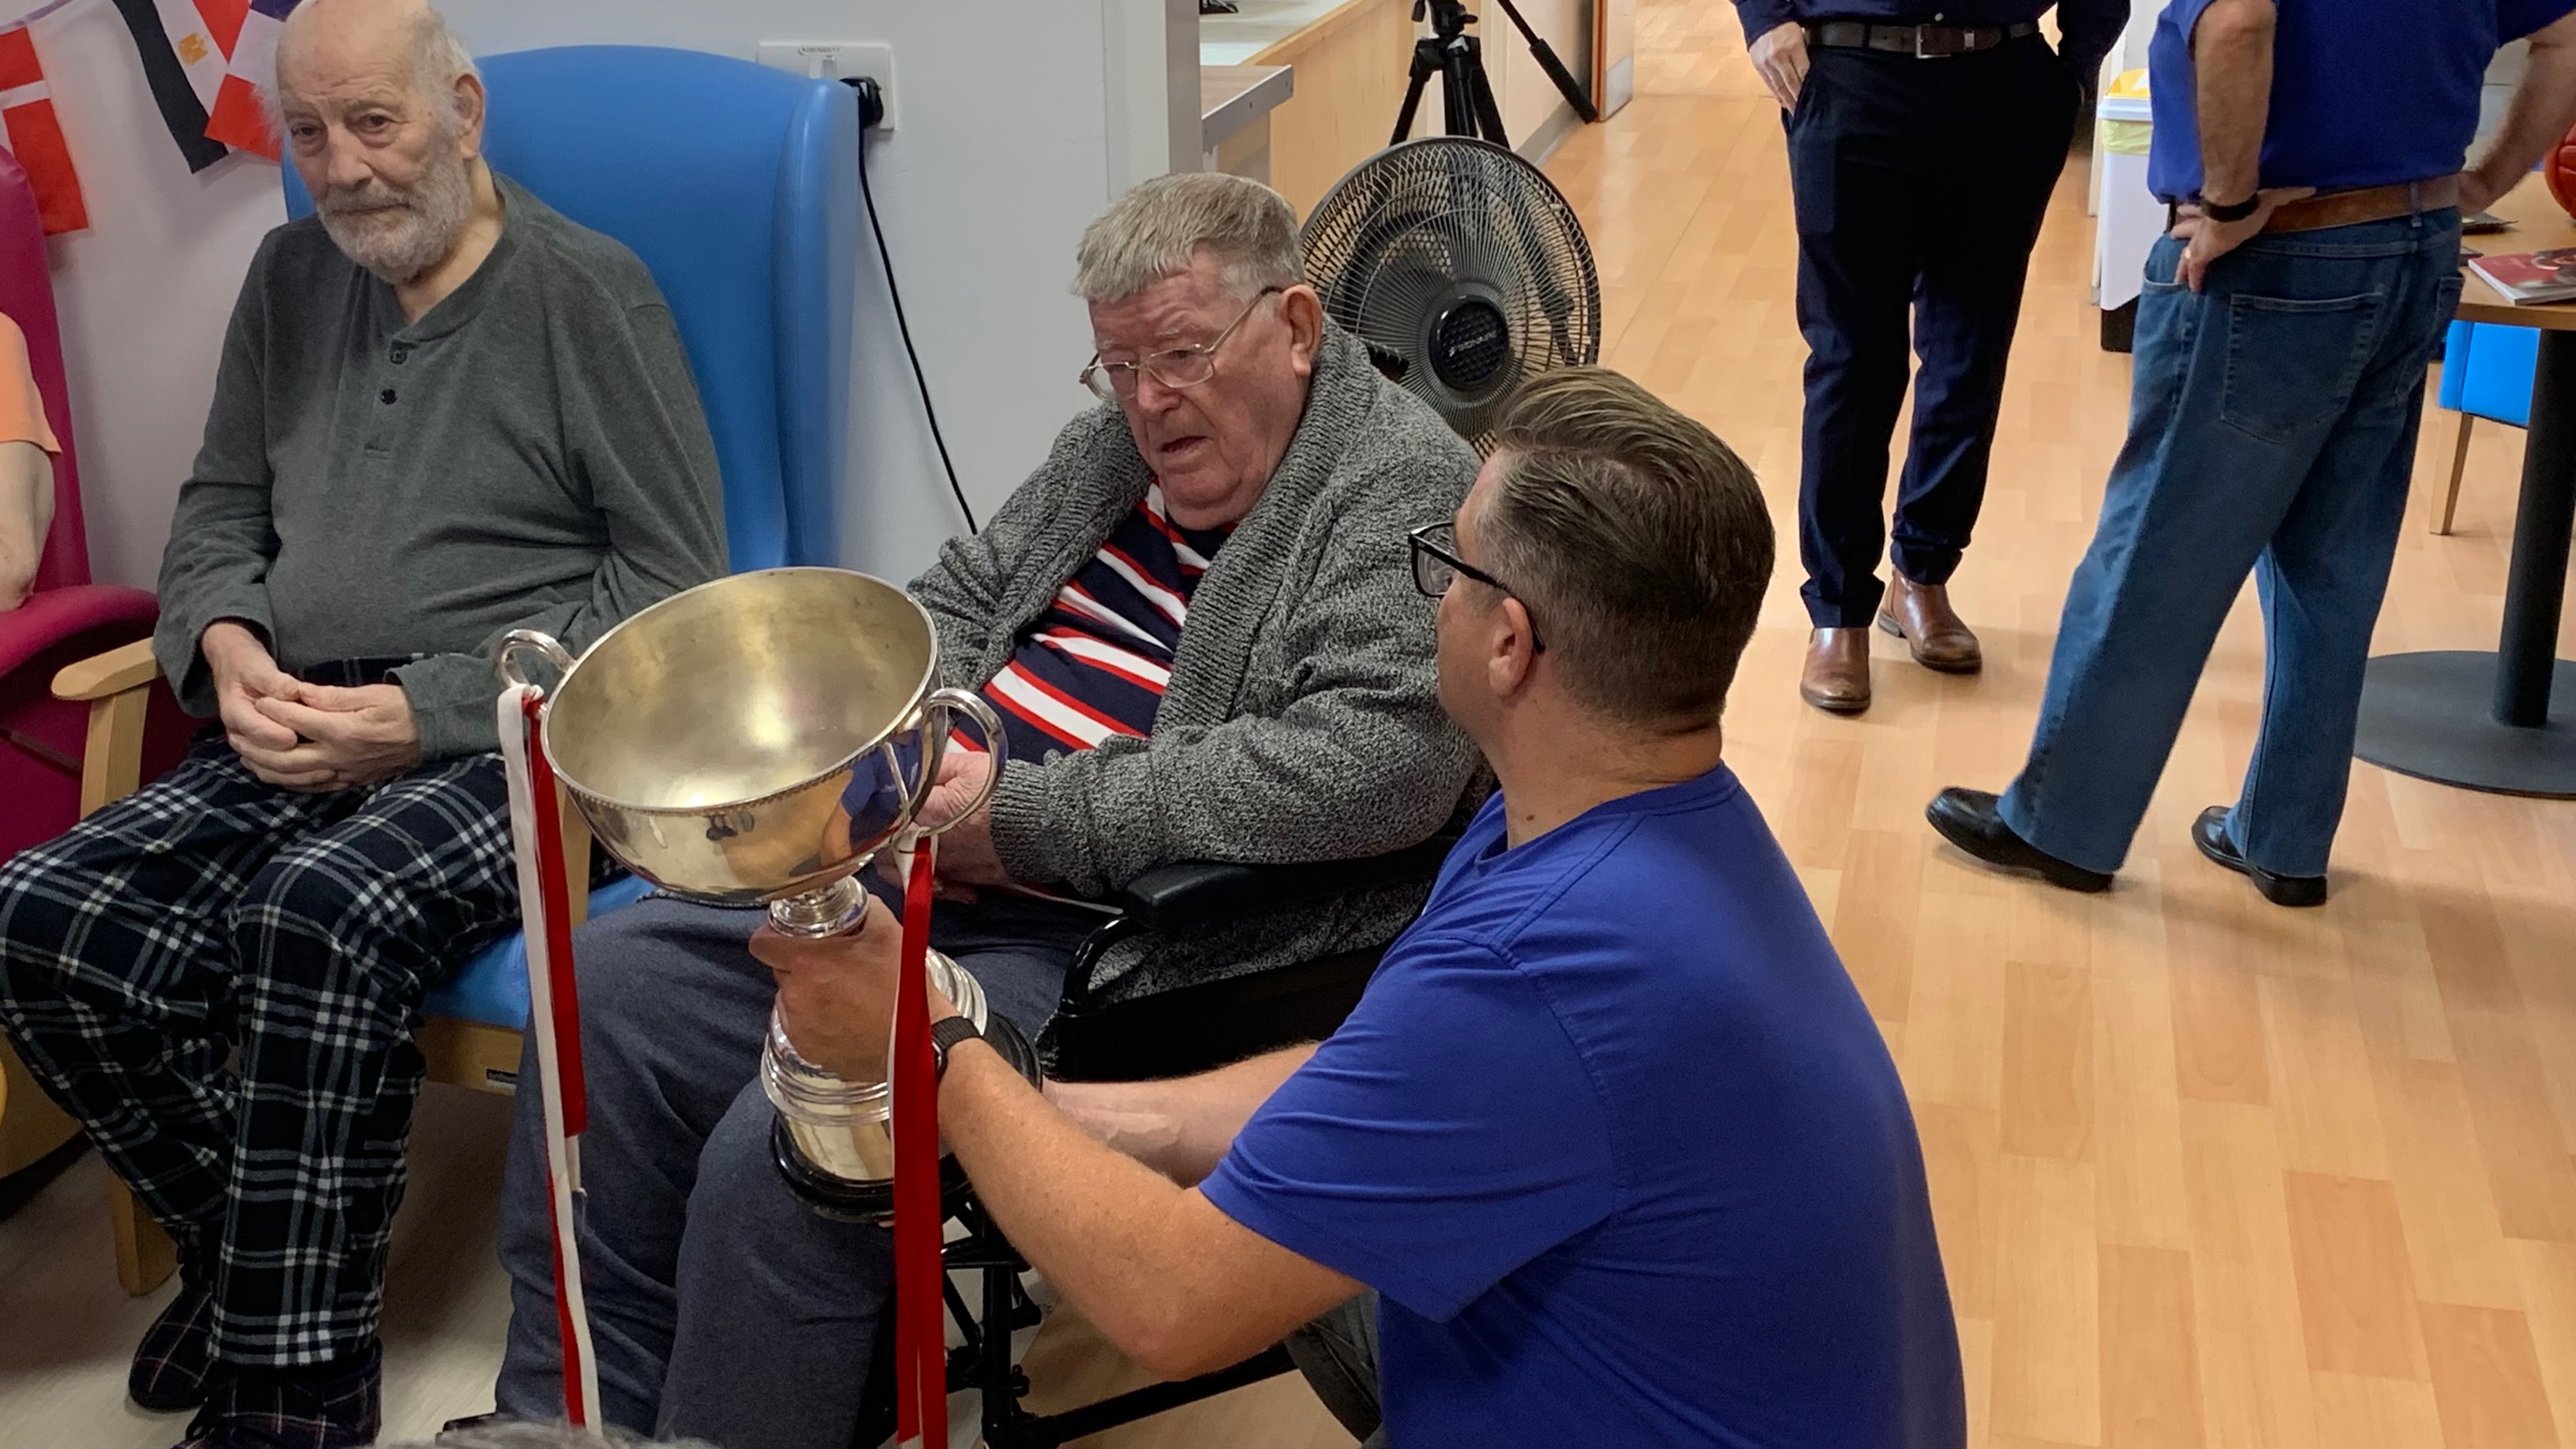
(838, 60)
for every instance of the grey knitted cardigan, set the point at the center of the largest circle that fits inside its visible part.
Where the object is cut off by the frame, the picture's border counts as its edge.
(1301, 721)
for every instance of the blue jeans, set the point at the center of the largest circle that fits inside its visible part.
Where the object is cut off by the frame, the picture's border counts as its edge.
(2272, 425)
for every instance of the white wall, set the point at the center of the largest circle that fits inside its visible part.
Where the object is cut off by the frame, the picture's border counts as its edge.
(1003, 154)
(143, 293)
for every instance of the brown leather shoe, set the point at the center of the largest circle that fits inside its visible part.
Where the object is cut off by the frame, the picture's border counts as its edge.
(1836, 678)
(1920, 614)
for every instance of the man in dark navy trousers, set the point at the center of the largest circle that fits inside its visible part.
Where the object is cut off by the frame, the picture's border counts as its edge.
(1924, 139)
(2312, 151)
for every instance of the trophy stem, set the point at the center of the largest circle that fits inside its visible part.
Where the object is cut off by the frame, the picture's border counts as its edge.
(824, 911)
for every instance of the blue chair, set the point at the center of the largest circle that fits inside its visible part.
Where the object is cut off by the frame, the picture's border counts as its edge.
(738, 186)
(2486, 373)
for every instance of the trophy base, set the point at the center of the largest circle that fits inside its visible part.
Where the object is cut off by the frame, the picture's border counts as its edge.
(871, 1200)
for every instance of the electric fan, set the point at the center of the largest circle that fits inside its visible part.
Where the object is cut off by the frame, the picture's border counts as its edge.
(1462, 268)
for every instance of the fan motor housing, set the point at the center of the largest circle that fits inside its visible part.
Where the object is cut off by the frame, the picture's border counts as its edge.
(1470, 342)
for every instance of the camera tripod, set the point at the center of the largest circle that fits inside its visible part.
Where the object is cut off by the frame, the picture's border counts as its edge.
(1467, 97)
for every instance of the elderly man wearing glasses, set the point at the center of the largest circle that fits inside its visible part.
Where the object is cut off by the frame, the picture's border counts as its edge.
(1196, 626)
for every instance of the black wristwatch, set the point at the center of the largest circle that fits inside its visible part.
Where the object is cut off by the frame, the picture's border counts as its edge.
(2232, 211)
(947, 1032)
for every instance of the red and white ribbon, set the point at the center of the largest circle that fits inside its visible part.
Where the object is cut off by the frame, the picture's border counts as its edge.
(920, 1310)
(554, 1012)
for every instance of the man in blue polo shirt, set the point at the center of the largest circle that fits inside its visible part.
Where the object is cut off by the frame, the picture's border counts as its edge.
(2312, 151)
(1611, 1135)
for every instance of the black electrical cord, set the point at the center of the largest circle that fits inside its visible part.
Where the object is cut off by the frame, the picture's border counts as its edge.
(870, 108)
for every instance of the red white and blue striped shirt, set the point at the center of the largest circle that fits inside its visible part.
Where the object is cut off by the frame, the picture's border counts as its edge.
(1096, 662)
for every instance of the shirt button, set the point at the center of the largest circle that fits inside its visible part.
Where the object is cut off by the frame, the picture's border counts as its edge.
(387, 396)
(401, 354)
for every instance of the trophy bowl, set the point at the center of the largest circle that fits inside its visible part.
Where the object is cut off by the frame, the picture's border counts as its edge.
(756, 739)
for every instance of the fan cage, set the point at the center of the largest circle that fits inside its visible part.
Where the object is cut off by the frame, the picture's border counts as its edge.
(1457, 231)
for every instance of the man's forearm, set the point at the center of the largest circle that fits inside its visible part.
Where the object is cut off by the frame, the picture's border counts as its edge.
(1153, 1265)
(2543, 107)
(1180, 1127)
(2232, 64)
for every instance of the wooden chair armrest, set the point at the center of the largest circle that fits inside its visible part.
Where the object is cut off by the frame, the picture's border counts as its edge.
(116, 684)
(128, 666)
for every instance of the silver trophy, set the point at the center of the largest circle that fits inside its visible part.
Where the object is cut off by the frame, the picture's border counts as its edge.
(758, 740)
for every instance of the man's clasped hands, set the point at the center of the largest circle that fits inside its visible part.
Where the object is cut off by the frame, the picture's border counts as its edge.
(307, 737)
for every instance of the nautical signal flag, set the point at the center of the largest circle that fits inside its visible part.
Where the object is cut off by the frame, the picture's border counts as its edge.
(27, 110)
(184, 44)
(239, 116)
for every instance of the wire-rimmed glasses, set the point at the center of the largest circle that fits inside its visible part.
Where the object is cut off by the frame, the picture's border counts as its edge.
(1173, 367)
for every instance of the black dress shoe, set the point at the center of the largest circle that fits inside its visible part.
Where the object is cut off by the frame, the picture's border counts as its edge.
(1967, 819)
(2209, 832)
(168, 1375)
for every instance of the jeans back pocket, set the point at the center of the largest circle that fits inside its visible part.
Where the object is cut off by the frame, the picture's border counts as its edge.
(2292, 364)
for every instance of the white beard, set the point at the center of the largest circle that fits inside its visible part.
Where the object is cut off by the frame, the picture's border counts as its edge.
(398, 235)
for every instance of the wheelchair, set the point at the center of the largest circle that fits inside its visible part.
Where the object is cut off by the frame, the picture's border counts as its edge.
(1172, 1033)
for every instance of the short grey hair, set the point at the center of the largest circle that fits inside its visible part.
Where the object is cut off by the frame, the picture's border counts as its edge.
(438, 60)
(1156, 230)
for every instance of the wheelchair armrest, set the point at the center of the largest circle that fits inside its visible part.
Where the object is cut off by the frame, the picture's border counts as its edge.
(1195, 892)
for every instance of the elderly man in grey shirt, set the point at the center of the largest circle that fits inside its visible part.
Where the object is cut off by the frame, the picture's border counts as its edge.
(1198, 626)
(443, 412)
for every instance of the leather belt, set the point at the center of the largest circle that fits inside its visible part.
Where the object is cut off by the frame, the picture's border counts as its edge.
(1923, 42)
(2370, 203)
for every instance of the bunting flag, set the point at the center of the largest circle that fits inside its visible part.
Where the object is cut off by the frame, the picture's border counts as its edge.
(27, 111)
(183, 44)
(239, 116)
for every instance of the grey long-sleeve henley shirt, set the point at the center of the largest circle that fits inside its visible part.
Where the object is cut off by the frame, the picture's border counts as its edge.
(529, 454)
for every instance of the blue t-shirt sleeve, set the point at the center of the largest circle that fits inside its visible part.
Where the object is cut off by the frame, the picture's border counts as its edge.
(2184, 16)
(1446, 1135)
(2518, 18)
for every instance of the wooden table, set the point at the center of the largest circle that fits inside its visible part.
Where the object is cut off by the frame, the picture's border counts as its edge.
(2479, 720)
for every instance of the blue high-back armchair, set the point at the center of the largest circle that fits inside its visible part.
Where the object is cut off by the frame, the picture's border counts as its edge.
(2486, 373)
(738, 186)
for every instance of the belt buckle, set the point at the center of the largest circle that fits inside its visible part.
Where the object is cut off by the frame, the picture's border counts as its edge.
(1923, 51)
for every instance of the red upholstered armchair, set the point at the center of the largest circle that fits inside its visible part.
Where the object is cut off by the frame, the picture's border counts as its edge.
(43, 740)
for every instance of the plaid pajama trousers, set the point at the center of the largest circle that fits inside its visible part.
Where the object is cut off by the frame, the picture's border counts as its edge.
(211, 911)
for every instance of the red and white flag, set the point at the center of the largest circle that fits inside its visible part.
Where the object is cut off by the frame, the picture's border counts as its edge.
(182, 45)
(239, 116)
(27, 110)
(202, 34)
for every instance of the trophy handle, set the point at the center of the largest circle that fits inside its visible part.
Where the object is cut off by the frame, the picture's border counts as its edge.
(971, 705)
(522, 641)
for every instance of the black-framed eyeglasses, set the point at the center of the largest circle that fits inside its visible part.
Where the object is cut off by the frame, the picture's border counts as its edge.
(1436, 566)
(1174, 367)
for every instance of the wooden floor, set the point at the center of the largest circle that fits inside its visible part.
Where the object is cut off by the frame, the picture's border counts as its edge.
(2209, 1173)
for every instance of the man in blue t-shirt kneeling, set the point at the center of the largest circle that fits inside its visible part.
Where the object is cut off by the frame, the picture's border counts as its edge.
(1611, 1136)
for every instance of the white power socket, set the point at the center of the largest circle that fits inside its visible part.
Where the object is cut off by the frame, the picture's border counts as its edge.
(838, 60)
